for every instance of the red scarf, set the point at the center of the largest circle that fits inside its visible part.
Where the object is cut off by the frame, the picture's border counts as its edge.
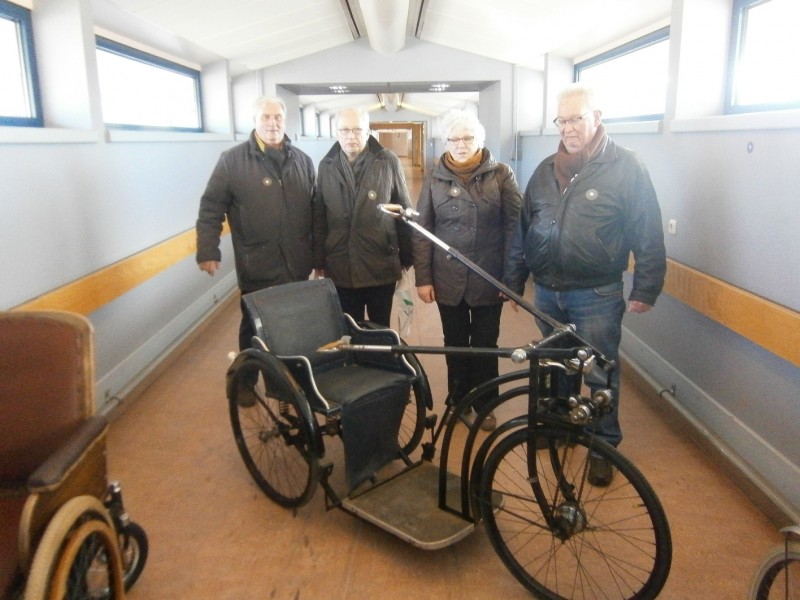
(568, 165)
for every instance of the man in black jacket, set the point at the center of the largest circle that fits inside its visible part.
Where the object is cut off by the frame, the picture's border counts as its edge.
(265, 189)
(585, 210)
(361, 249)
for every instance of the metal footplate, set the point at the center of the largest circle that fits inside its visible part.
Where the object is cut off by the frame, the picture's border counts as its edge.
(408, 506)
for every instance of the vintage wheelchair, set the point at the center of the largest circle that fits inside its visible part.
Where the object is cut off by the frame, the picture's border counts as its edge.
(314, 373)
(65, 532)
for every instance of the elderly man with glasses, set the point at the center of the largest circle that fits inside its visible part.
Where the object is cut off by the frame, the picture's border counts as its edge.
(360, 248)
(586, 209)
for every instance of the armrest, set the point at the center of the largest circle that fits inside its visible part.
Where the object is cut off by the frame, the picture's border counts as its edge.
(379, 337)
(373, 335)
(52, 471)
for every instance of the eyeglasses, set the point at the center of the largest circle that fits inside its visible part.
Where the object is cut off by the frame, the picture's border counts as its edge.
(347, 132)
(467, 140)
(574, 121)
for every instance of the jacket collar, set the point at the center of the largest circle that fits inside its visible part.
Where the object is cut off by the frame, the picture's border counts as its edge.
(255, 148)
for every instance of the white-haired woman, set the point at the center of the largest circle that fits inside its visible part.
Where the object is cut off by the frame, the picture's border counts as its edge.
(472, 203)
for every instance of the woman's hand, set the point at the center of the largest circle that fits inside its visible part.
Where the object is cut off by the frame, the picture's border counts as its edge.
(426, 293)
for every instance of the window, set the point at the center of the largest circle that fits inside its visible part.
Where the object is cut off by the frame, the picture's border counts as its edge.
(631, 79)
(142, 91)
(763, 39)
(19, 86)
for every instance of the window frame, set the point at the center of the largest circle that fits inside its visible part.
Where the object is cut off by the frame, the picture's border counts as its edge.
(114, 47)
(654, 37)
(736, 43)
(22, 17)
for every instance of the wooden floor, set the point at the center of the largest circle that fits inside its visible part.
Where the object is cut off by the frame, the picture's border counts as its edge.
(214, 535)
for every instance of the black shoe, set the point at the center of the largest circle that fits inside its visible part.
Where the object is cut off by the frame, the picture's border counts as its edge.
(600, 471)
(246, 396)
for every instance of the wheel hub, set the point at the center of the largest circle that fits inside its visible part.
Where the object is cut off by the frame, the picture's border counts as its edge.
(570, 519)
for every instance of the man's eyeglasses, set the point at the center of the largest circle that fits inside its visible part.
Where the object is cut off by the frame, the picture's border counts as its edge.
(574, 121)
(347, 132)
(467, 140)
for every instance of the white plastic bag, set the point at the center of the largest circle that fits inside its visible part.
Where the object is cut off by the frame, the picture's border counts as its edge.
(404, 294)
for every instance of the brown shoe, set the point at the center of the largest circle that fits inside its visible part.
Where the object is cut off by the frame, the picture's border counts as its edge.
(601, 472)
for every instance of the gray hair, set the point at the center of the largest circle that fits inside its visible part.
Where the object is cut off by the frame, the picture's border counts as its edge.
(583, 90)
(260, 102)
(363, 117)
(461, 118)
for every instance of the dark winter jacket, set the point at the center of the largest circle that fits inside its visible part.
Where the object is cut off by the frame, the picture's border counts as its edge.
(583, 238)
(269, 211)
(356, 243)
(478, 219)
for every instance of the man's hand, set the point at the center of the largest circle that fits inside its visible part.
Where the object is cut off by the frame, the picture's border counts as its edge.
(638, 307)
(209, 266)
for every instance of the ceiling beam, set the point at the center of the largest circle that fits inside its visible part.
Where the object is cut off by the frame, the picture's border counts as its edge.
(353, 19)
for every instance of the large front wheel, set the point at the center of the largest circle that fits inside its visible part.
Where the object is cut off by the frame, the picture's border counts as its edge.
(577, 541)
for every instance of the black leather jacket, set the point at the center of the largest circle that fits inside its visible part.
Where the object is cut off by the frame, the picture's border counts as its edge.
(269, 212)
(583, 238)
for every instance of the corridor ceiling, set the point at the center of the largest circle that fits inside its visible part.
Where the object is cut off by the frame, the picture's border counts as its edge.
(254, 34)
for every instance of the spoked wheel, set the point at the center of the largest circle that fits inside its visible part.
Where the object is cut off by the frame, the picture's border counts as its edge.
(133, 548)
(412, 427)
(273, 429)
(779, 576)
(78, 557)
(602, 542)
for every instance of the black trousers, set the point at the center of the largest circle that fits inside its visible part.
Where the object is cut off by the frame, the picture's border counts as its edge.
(246, 329)
(376, 300)
(475, 327)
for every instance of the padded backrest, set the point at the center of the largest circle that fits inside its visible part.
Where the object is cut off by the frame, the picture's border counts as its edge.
(295, 319)
(46, 386)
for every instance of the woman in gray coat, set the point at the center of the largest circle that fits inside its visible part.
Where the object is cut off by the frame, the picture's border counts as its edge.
(472, 203)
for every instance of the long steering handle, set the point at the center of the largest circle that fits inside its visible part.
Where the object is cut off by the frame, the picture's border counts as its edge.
(407, 215)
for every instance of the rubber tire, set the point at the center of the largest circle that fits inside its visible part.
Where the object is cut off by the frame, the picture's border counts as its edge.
(621, 548)
(275, 437)
(47, 557)
(770, 572)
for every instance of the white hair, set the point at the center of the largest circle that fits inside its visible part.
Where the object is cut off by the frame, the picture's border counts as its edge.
(458, 118)
(260, 102)
(582, 90)
(363, 117)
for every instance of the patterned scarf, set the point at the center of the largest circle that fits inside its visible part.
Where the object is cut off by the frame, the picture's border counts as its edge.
(568, 165)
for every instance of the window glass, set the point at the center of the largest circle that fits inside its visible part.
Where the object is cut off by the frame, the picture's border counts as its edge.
(139, 90)
(19, 98)
(765, 37)
(631, 80)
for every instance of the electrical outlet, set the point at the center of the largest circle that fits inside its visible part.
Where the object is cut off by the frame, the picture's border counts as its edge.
(672, 227)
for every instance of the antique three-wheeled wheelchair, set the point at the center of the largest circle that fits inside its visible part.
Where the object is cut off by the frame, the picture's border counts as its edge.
(318, 374)
(64, 533)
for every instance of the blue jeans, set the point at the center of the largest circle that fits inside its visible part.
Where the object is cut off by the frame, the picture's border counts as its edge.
(597, 314)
